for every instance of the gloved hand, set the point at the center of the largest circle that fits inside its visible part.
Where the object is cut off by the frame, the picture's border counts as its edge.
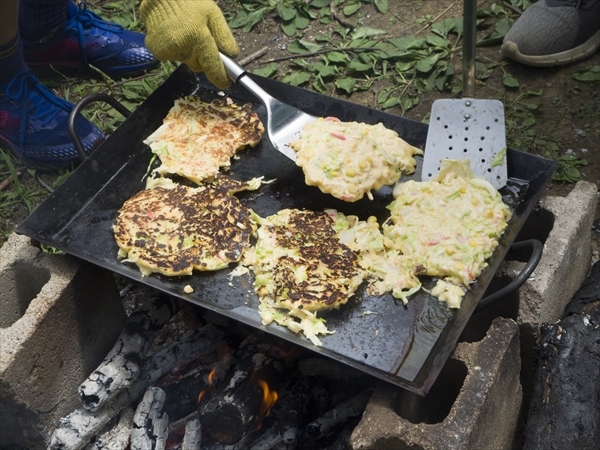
(190, 31)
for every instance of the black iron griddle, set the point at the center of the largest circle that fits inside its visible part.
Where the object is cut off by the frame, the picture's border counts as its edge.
(404, 345)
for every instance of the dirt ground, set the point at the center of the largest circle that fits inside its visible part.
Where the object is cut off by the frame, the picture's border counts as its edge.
(565, 110)
(569, 112)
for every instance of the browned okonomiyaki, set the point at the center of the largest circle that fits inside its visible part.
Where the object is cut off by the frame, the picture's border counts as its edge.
(301, 267)
(173, 229)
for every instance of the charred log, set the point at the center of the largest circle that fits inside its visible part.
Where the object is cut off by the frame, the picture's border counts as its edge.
(149, 428)
(182, 394)
(234, 408)
(341, 440)
(285, 423)
(193, 435)
(123, 363)
(76, 430)
(114, 436)
(565, 403)
(341, 414)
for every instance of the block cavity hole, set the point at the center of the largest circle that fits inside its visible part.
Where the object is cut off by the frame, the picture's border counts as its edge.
(436, 405)
(18, 287)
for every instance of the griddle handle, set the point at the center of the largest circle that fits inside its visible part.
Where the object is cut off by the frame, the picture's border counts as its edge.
(76, 111)
(536, 255)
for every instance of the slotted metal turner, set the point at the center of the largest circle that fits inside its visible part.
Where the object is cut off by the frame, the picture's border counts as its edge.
(468, 127)
(284, 122)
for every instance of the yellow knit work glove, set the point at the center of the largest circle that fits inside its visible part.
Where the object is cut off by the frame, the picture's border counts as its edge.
(190, 31)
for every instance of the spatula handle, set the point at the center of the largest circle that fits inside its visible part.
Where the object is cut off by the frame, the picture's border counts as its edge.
(233, 69)
(469, 27)
(238, 74)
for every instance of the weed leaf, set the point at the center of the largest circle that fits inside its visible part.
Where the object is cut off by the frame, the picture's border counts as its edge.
(381, 5)
(289, 28)
(337, 57)
(367, 32)
(390, 103)
(300, 47)
(269, 71)
(426, 64)
(346, 84)
(352, 8)
(301, 22)
(358, 66)
(591, 75)
(444, 27)
(509, 81)
(297, 78)
(285, 12)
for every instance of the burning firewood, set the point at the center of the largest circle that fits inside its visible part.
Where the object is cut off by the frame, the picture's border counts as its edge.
(342, 438)
(565, 402)
(339, 415)
(76, 429)
(150, 428)
(287, 417)
(193, 436)
(240, 403)
(123, 363)
(115, 436)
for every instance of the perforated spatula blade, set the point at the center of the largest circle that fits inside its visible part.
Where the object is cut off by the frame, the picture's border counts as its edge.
(468, 127)
(284, 122)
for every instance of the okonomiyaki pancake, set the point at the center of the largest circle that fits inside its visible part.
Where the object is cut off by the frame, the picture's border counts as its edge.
(349, 159)
(175, 230)
(197, 138)
(301, 264)
(450, 225)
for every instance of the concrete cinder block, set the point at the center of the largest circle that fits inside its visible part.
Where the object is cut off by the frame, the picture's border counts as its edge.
(566, 260)
(483, 415)
(59, 317)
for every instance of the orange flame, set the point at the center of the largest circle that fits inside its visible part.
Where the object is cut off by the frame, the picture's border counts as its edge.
(269, 399)
(210, 380)
(211, 376)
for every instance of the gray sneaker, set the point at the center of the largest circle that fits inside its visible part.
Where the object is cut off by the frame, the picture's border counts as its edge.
(554, 32)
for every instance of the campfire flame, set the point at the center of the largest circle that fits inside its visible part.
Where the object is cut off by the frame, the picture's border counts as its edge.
(211, 376)
(269, 399)
(210, 380)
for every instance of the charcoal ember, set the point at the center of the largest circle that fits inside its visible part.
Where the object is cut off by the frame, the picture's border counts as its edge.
(565, 404)
(237, 404)
(283, 426)
(116, 434)
(340, 440)
(123, 364)
(182, 395)
(76, 429)
(339, 415)
(150, 425)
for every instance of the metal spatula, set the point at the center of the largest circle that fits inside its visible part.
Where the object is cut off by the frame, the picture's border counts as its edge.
(284, 122)
(468, 127)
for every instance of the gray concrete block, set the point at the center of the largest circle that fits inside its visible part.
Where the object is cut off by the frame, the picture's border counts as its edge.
(59, 317)
(483, 415)
(566, 260)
